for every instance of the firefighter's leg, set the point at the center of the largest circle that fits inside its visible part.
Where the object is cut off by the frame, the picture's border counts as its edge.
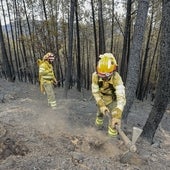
(50, 95)
(99, 120)
(112, 130)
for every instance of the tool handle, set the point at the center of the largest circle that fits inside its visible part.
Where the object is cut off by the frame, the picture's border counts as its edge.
(127, 141)
(108, 114)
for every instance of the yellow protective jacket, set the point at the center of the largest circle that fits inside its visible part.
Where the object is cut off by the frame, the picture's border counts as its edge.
(46, 73)
(105, 92)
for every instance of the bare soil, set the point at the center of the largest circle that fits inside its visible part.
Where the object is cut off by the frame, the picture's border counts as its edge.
(35, 137)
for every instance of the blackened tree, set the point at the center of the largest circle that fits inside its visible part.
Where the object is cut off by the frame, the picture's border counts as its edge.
(162, 96)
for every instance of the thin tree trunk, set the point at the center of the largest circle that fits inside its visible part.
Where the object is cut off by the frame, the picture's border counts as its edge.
(5, 62)
(45, 15)
(126, 42)
(152, 61)
(21, 61)
(142, 82)
(102, 47)
(70, 48)
(112, 27)
(78, 49)
(23, 51)
(9, 46)
(13, 43)
(95, 32)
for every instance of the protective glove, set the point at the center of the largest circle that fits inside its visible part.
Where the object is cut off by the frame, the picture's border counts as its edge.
(104, 109)
(117, 113)
(55, 81)
(115, 122)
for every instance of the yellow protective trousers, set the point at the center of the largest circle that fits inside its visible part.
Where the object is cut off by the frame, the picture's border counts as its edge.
(99, 118)
(50, 94)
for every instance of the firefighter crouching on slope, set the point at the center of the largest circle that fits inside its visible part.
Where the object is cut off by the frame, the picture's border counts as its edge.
(47, 78)
(109, 92)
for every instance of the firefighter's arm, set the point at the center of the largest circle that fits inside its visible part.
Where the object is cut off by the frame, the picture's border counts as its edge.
(95, 90)
(120, 96)
(96, 94)
(44, 72)
(121, 101)
(55, 80)
(100, 103)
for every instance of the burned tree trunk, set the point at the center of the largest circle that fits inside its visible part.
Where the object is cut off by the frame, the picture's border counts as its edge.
(162, 96)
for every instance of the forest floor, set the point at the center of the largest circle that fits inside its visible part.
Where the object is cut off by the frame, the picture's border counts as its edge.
(35, 137)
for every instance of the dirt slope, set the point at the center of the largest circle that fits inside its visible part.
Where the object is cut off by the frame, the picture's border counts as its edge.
(32, 136)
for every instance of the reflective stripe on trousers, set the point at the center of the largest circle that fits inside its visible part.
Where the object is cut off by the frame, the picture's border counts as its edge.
(112, 131)
(99, 121)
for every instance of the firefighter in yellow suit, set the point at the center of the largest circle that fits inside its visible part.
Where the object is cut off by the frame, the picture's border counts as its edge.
(47, 78)
(109, 92)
